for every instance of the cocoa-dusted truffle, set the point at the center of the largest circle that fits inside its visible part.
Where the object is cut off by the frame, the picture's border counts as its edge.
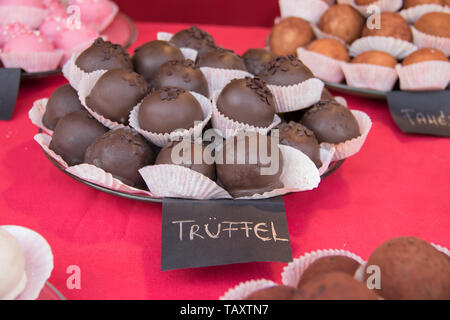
(243, 174)
(392, 25)
(435, 24)
(73, 135)
(342, 21)
(273, 293)
(424, 54)
(330, 48)
(331, 122)
(379, 58)
(152, 55)
(285, 71)
(104, 55)
(188, 154)
(116, 93)
(182, 74)
(255, 59)
(297, 136)
(289, 34)
(194, 38)
(247, 101)
(63, 100)
(121, 152)
(412, 3)
(168, 109)
(223, 59)
(411, 268)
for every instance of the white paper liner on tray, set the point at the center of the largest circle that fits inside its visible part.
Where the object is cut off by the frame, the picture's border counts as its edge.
(218, 78)
(323, 67)
(369, 76)
(423, 40)
(36, 114)
(395, 47)
(27, 15)
(32, 61)
(326, 157)
(427, 75)
(310, 10)
(163, 139)
(321, 34)
(383, 5)
(188, 53)
(38, 260)
(413, 14)
(72, 72)
(244, 289)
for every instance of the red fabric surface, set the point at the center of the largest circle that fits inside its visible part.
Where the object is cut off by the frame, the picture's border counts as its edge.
(397, 185)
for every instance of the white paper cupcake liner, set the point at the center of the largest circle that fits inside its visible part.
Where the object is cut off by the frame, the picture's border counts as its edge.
(323, 67)
(218, 78)
(383, 5)
(188, 53)
(32, 61)
(321, 34)
(395, 47)
(310, 10)
(44, 141)
(27, 15)
(163, 139)
(38, 260)
(72, 72)
(36, 114)
(423, 40)
(326, 157)
(413, 14)
(369, 76)
(244, 289)
(427, 75)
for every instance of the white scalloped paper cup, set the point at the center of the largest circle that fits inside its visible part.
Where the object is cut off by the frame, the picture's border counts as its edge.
(38, 260)
(321, 34)
(423, 40)
(326, 157)
(72, 72)
(413, 14)
(427, 75)
(218, 78)
(27, 15)
(369, 76)
(383, 5)
(44, 141)
(323, 67)
(188, 53)
(395, 47)
(32, 61)
(310, 10)
(36, 114)
(244, 289)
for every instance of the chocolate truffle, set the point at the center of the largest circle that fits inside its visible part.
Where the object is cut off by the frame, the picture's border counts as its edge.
(152, 55)
(182, 74)
(424, 54)
(285, 71)
(222, 59)
(103, 55)
(73, 134)
(412, 3)
(121, 152)
(297, 136)
(243, 174)
(194, 38)
(168, 109)
(411, 268)
(187, 154)
(63, 100)
(116, 93)
(331, 122)
(435, 24)
(379, 58)
(392, 25)
(329, 264)
(326, 95)
(334, 286)
(273, 293)
(289, 34)
(330, 48)
(247, 101)
(342, 21)
(255, 59)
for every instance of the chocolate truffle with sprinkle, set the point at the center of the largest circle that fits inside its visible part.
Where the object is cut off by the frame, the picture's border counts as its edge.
(222, 59)
(194, 38)
(285, 71)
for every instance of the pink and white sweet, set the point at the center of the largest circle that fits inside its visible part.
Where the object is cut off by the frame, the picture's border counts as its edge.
(97, 14)
(72, 40)
(7, 31)
(28, 12)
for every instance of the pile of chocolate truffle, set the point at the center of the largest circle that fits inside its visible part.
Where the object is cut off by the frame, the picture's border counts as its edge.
(371, 44)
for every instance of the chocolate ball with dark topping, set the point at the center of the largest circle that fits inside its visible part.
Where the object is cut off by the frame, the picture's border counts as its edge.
(248, 101)
(255, 59)
(273, 293)
(181, 74)
(285, 71)
(121, 152)
(222, 59)
(104, 55)
(194, 38)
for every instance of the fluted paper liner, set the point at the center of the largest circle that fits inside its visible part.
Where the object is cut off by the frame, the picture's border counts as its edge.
(427, 75)
(310, 10)
(218, 78)
(369, 76)
(44, 141)
(322, 66)
(244, 289)
(38, 260)
(188, 53)
(383, 5)
(413, 14)
(72, 72)
(163, 139)
(32, 61)
(322, 34)
(423, 40)
(326, 157)
(395, 47)
(36, 114)
(27, 15)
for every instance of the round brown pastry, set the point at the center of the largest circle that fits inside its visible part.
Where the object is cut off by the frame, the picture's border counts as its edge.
(223, 59)
(285, 71)
(342, 21)
(297, 136)
(116, 93)
(329, 264)
(103, 55)
(168, 109)
(447, 2)
(152, 55)
(187, 154)
(411, 268)
(392, 25)
(331, 122)
(289, 34)
(63, 100)
(121, 152)
(273, 293)
(435, 24)
(248, 101)
(255, 59)
(73, 134)
(424, 54)
(330, 48)
(412, 3)
(379, 58)
(243, 174)
(194, 38)
(334, 286)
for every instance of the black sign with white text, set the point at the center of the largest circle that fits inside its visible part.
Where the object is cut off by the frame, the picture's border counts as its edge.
(9, 88)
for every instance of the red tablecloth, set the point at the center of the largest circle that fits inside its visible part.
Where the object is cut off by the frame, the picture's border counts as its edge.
(397, 185)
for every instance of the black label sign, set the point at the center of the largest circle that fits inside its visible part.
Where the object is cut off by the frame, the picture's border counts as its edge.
(421, 112)
(219, 232)
(9, 88)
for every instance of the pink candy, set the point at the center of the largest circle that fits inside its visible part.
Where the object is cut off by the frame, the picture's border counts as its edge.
(28, 42)
(7, 31)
